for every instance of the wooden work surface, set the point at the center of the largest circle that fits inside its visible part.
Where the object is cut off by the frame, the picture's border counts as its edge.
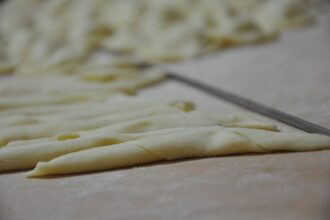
(292, 74)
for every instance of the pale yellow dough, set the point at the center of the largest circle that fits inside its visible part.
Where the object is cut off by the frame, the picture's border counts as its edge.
(123, 121)
(38, 36)
(47, 128)
(16, 158)
(33, 148)
(183, 143)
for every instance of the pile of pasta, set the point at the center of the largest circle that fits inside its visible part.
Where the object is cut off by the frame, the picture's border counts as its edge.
(35, 33)
(88, 81)
(82, 135)
(61, 113)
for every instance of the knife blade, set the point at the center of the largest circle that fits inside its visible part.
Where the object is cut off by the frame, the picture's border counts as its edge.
(252, 105)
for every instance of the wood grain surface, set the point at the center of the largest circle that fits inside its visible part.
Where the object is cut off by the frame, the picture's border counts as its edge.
(291, 74)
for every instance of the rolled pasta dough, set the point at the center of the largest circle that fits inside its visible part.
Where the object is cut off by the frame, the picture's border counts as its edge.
(188, 143)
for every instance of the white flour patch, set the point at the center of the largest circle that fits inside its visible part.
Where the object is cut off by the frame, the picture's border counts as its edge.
(258, 177)
(104, 183)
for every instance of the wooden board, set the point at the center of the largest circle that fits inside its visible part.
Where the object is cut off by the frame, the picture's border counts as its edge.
(291, 74)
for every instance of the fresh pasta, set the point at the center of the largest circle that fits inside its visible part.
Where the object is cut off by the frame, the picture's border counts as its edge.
(42, 35)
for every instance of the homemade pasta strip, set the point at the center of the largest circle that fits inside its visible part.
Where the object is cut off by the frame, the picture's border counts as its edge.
(24, 157)
(120, 118)
(26, 154)
(113, 106)
(73, 86)
(22, 143)
(97, 114)
(36, 96)
(158, 116)
(105, 75)
(28, 132)
(139, 132)
(113, 66)
(14, 120)
(39, 37)
(52, 128)
(39, 100)
(245, 121)
(193, 142)
(23, 85)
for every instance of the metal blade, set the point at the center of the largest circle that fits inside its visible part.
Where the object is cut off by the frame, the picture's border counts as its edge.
(253, 106)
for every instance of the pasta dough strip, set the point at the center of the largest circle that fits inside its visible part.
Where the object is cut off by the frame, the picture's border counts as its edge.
(17, 158)
(52, 128)
(97, 114)
(35, 150)
(194, 142)
(29, 154)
